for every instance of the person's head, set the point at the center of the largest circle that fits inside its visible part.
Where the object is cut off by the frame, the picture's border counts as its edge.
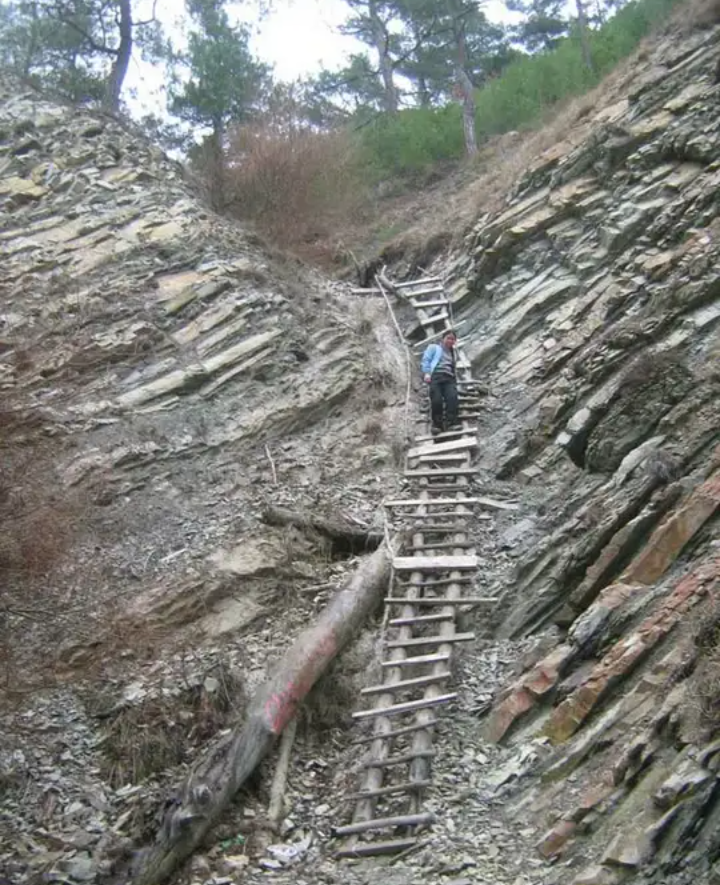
(449, 339)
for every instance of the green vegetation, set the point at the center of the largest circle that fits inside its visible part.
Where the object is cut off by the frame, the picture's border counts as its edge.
(413, 140)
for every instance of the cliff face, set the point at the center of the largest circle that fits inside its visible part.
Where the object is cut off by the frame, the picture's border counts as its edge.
(591, 304)
(164, 367)
(165, 376)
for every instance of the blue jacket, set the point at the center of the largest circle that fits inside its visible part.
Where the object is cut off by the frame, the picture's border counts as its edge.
(431, 358)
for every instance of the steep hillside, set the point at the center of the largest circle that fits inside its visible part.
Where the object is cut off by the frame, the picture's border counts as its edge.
(591, 304)
(166, 377)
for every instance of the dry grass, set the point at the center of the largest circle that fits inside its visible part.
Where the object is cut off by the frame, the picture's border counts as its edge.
(697, 14)
(296, 185)
(331, 701)
(144, 739)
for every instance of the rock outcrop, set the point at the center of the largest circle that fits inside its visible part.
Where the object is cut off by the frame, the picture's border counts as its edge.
(165, 375)
(592, 305)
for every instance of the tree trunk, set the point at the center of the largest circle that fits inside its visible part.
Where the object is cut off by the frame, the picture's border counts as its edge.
(463, 81)
(212, 784)
(584, 36)
(468, 104)
(217, 161)
(121, 61)
(382, 45)
(346, 538)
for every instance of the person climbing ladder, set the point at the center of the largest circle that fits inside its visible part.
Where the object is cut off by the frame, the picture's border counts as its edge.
(438, 368)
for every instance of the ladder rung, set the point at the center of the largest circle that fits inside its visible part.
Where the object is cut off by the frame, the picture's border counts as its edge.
(406, 707)
(398, 732)
(441, 448)
(447, 545)
(421, 619)
(399, 760)
(435, 302)
(438, 582)
(421, 281)
(403, 684)
(424, 600)
(451, 471)
(437, 658)
(430, 640)
(416, 502)
(434, 563)
(437, 527)
(429, 457)
(439, 317)
(446, 487)
(446, 434)
(370, 849)
(383, 823)
(409, 787)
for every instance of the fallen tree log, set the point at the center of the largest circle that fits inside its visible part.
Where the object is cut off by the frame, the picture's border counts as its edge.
(346, 537)
(209, 788)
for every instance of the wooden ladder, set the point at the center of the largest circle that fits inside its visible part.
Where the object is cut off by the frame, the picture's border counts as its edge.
(428, 586)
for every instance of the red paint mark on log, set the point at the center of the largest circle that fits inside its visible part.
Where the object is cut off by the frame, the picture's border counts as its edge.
(282, 705)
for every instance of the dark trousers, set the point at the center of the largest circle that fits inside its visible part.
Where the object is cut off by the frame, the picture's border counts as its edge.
(443, 397)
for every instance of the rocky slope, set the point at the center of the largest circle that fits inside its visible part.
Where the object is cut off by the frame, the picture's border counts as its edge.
(165, 376)
(592, 306)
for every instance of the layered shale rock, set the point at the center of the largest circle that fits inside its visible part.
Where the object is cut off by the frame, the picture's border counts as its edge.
(592, 305)
(168, 372)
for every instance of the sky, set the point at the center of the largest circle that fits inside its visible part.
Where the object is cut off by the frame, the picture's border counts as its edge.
(296, 37)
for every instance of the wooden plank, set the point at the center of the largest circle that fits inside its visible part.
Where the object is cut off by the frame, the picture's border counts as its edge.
(441, 448)
(421, 619)
(446, 487)
(446, 545)
(434, 563)
(405, 759)
(429, 600)
(436, 658)
(406, 707)
(450, 471)
(441, 582)
(438, 527)
(493, 504)
(372, 849)
(439, 317)
(385, 823)
(416, 502)
(422, 281)
(446, 434)
(398, 732)
(403, 684)
(408, 787)
(430, 640)
(435, 302)
(443, 457)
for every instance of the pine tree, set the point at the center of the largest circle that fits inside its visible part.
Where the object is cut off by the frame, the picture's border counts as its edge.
(224, 82)
(78, 48)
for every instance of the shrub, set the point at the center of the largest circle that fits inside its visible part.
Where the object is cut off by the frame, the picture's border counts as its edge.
(294, 184)
(411, 141)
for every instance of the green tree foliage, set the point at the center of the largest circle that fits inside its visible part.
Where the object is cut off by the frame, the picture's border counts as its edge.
(80, 49)
(543, 26)
(217, 81)
(220, 81)
(518, 98)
